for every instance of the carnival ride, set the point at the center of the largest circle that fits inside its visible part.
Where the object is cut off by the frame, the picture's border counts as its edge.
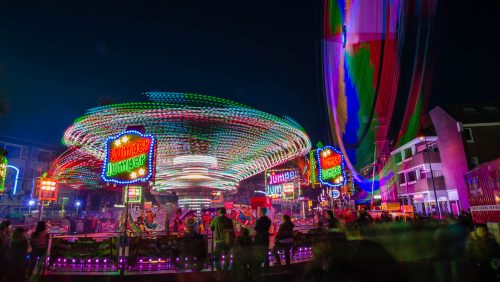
(376, 54)
(204, 144)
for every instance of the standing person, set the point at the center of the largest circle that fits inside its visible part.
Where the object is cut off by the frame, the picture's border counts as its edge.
(364, 217)
(178, 221)
(4, 247)
(17, 255)
(242, 253)
(224, 236)
(284, 239)
(262, 226)
(333, 222)
(39, 244)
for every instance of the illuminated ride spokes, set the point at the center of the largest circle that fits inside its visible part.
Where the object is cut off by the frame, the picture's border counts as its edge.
(204, 144)
(364, 43)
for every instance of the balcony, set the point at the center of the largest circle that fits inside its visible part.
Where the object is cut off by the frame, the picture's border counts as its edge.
(420, 159)
(423, 185)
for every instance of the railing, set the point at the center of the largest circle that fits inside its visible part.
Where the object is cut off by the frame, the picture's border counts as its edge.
(114, 254)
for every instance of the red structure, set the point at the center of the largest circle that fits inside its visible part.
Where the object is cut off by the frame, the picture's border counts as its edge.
(483, 186)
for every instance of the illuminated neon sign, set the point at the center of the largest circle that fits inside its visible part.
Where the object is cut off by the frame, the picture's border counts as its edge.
(47, 189)
(313, 176)
(283, 184)
(3, 171)
(330, 166)
(129, 158)
(134, 194)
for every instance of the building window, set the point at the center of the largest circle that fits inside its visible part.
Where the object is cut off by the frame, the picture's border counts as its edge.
(412, 176)
(398, 158)
(408, 153)
(402, 178)
(468, 135)
(437, 173)
(490, 108)
(474, 161)
(44, 156)
(469, 109)
(13, 151)
(24, 152)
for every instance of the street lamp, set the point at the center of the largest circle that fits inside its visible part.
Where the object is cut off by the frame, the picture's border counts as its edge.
(432, 174)
(78, 203)
(30, 203)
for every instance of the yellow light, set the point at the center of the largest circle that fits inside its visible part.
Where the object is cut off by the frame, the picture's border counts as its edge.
(118, 142)
(142, 171)
(133, 175)
(124, 139)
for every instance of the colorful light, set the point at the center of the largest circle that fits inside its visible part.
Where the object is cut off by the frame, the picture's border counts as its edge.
(331, 171)
(134, 194)
(201, 141)
(3, 171)
(282, 183)
(127, 162)
(363, 46)
(47, 189)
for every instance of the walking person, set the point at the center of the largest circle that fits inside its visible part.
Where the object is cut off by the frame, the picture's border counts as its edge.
(223, 229)
(39, 244)
(284, 239)
(262, 226)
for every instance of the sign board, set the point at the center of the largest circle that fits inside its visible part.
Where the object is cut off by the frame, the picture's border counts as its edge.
(129, 158)
(282, 184)
(262, 202)
(313, 170)
(134, 194)
(3, 171)
(334, 193)
(228, 205)
(391, 206)
(47, 189)
(330, 167)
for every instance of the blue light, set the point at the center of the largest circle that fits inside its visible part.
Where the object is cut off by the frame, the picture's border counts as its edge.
(31, 202)
(14, 190)
(326, 183)
(344, 36)
(78, 203)
(150, 159)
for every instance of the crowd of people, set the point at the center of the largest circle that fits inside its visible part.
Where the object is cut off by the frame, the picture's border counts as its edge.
(385, 248)
(390, 248)
(19, 256)
(251, 255)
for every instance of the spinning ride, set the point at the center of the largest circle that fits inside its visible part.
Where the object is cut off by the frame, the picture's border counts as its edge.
(204, 144)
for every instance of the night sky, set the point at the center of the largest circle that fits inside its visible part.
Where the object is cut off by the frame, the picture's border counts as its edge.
(59, 59)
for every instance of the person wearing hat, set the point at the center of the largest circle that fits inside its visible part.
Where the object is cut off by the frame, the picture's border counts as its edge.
(223, 231)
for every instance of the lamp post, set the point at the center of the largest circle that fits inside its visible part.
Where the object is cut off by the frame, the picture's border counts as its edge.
(30, 203)
(78, 203)
(432, 175)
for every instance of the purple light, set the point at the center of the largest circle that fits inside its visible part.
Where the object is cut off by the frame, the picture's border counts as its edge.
(105, 260)
(88, 260)
(59, 260)
(140, 260)
(150, 260)
(73, 260)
